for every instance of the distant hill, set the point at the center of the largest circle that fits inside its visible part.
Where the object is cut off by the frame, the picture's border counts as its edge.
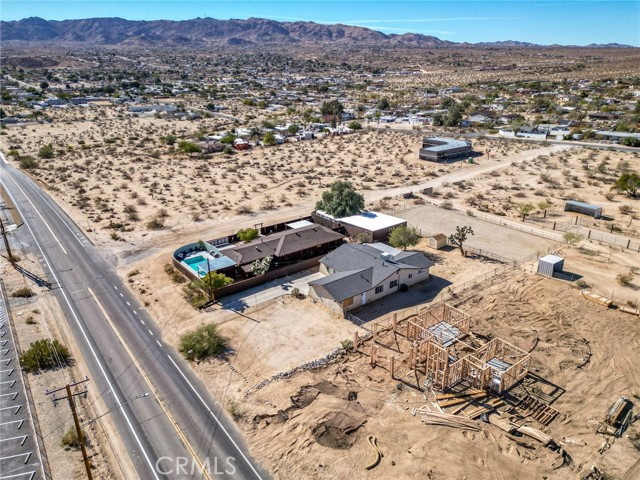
(199, 31)
(209, 31)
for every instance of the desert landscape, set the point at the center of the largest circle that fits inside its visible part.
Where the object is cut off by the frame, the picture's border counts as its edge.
(324, 250)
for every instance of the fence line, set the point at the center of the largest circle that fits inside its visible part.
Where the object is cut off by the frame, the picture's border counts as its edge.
(454, 291)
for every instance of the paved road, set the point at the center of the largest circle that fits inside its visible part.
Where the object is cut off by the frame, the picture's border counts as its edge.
(125, 353)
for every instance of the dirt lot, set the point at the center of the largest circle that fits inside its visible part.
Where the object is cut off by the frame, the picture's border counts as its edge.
(487, 236)
(547, 181)
(311, 441)
(114, 174)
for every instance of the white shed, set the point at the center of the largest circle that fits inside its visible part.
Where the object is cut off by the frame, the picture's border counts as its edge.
(549, 264)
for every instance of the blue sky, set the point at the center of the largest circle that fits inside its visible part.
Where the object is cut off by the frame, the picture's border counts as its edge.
(571, 22)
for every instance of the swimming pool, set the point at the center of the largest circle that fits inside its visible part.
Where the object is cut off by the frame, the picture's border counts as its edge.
(198, 264)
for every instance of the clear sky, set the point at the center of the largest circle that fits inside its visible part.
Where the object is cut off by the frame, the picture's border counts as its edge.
(569, 22)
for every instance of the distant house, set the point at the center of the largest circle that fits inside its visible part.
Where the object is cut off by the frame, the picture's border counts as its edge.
(360, 274)
(438, 148)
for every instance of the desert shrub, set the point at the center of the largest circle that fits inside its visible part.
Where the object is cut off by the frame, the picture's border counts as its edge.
(156, 223)
(45, 355)
(70, 438)
(346, 344)
(625, 209)
(46, 151)
(203, 342)
(447, 205)
(572, 238)
(24, 292)
(28, 162)
(625, 279)
(244, 210)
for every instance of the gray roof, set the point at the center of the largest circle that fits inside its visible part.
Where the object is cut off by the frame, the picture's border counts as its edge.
(343, 285)
(283, 243)
(359, 268)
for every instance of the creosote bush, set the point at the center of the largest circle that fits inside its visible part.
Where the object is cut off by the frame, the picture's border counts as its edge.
(202, 343)
(45, 355)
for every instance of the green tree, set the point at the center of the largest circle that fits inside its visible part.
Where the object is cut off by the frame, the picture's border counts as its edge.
(341, 200)
(46, 151)
(247, 234)
(213, 280)
(293, 129)
(254, 132)
(524, 209)
(461, 235)
(229, 138)
(269, 139)
(629, 182)
(333, 109)
(355, 125)
(383, 104)
(188, 148)
(203, 342)
(403, 237)
(44, 85)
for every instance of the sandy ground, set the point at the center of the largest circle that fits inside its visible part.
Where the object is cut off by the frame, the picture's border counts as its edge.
(567, 326)
(113, 173)
(547, 181)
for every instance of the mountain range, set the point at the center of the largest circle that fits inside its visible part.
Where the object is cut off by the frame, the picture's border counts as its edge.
(209, 31)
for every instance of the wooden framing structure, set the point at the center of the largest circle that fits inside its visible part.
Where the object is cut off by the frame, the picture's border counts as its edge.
(440, 348)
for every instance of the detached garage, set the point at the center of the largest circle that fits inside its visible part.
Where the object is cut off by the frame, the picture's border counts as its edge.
(549, 264)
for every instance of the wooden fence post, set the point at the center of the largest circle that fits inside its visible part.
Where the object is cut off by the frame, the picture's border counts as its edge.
(392, 366)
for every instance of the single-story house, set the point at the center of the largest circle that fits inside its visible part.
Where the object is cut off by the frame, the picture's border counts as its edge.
(361, 273)
(374, 225)
(286, 247)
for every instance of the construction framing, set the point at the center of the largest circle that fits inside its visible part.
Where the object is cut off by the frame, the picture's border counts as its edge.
(442, 349)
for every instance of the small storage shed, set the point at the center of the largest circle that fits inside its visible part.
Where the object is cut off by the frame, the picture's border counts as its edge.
(581, 207)
(549, 264)
(437, 241)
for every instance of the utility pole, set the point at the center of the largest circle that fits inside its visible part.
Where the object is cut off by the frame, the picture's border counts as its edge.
(72, 404)
(6, 241)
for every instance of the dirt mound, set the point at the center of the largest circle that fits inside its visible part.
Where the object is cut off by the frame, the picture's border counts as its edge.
(305, 396)
(335, 430)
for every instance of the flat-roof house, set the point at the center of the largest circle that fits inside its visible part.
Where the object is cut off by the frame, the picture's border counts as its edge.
(438, 148)
(374, 225)
(359, 274)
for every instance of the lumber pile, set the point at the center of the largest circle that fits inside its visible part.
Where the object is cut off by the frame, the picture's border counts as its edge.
(592, 297)
(448, 420)
(537, 409)
(484, 407)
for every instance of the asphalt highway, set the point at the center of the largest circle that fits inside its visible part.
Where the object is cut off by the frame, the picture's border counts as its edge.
(178, 431)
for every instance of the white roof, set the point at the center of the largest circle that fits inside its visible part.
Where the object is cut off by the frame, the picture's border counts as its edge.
(383, 247)
(553, 259)
(373, 221)
(299, 224)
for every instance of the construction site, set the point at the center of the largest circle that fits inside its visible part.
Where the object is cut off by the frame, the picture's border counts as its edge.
(511, 379)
